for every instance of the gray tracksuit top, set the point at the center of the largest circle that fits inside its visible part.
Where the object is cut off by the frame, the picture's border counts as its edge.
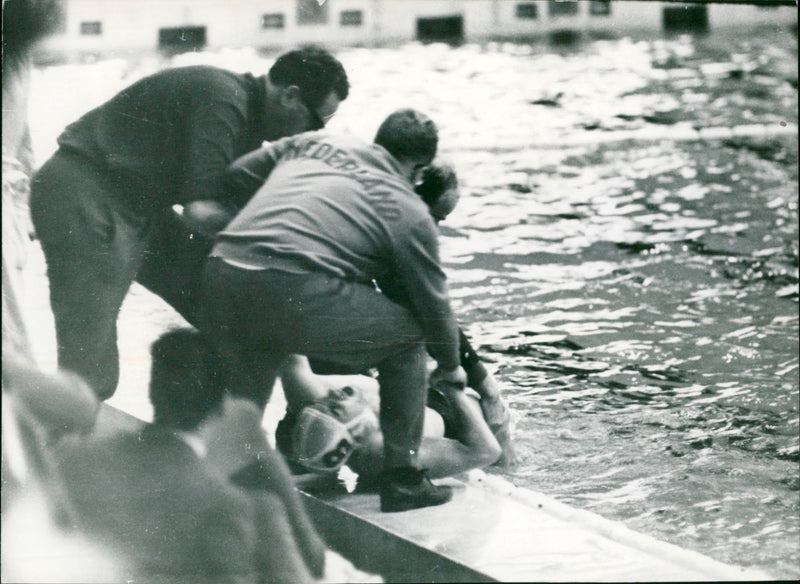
(335, 205)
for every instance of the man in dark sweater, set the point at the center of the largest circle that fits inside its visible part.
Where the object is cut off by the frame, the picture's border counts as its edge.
(99, 203)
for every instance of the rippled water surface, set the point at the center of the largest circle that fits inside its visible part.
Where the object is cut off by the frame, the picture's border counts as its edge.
(638, 299)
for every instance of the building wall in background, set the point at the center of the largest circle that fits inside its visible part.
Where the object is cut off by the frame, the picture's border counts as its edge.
(120, 25)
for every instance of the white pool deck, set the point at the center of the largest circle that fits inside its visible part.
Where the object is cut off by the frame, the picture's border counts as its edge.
(490, 531)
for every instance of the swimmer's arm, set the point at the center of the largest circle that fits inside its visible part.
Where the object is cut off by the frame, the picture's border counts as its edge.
(476, 448)
(498, 417)
(302, 386)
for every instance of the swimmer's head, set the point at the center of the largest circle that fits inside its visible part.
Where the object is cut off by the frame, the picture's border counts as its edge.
(327, 432)
(439, 189)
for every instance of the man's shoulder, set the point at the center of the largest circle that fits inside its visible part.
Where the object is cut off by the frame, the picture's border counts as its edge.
(204, 71)
(147, 459)
(205, 78)
(121, 448)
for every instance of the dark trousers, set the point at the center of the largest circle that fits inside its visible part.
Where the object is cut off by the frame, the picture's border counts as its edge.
(172, 267)
(93, 247)
(256, 318)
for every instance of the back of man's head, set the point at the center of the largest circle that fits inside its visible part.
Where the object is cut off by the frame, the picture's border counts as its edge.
(314, 70)
(408, 135)
(436, 180)
(184, 386)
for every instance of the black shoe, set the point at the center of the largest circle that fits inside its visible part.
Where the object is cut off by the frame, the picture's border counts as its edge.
(407, 488)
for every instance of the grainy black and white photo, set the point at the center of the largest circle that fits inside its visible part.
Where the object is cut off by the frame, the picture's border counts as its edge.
(330, 291)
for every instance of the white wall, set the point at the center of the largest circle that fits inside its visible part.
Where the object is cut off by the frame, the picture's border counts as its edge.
(134, 24)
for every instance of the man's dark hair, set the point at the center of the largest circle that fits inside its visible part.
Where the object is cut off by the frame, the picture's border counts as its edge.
(408, 134)
(437, 179)
(184, 385)
(314, 70)
(26, 22)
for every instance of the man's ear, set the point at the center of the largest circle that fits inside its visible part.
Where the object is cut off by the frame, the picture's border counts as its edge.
(290, 96)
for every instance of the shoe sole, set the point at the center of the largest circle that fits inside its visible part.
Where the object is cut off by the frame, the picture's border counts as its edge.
(398, 506)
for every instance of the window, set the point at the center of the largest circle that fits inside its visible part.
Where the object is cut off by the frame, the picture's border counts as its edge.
(600, 7)
(272, 21)
(312, 12)
(182, 37)
(351, 18)
(527, 10)
(685, 19)
(448, 29)
(562, 8)
(92, 28)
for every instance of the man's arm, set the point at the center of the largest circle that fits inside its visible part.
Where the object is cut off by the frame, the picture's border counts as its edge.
(238, 183)
(215, 136)
(249, 172)
(419, 283)
(206, 217)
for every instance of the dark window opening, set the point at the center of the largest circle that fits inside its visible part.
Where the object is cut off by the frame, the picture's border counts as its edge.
(562, 7)
(312, 12)
(351, 18)
(681, 19)
(92, 28)
(182, 38)
(448, 29)
(600, 7)
(565, 37)
(527, 10)
(272, 20)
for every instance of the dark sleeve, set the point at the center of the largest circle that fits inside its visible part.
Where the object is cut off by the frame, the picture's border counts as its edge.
(419, 283)
(247, 173)
(216, 132)
(470, 361)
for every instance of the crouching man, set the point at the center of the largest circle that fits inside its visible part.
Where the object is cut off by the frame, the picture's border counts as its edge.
(294, 272)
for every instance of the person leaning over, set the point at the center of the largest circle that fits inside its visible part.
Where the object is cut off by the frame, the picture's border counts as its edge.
(293, 273)
(165, 140)
(439, 189)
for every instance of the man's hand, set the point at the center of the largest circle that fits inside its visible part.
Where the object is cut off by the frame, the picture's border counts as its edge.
(498, 417)
(448, 379)
(206, 217)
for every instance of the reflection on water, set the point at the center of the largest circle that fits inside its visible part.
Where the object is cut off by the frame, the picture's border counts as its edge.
(638, 299)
